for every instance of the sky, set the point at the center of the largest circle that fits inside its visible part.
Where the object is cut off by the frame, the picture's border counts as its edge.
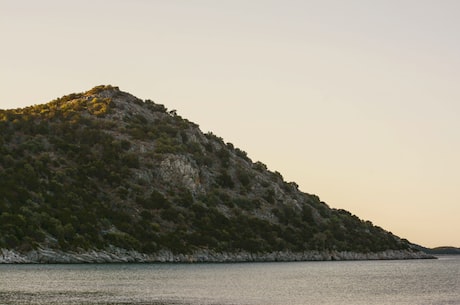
(356, 101)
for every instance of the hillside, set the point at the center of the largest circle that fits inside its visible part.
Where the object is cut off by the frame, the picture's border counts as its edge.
(103, 171)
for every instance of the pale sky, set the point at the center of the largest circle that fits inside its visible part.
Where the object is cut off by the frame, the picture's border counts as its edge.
(356, 101)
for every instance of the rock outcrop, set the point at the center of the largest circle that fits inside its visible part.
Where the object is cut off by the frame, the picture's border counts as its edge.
(117, 255)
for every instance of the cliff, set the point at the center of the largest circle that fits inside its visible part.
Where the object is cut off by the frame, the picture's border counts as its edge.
(105, 176)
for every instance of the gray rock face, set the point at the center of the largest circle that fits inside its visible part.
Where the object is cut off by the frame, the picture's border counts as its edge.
(179, 170)
(116, 255)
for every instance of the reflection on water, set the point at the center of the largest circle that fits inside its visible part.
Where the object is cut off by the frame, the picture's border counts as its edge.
(363, 282)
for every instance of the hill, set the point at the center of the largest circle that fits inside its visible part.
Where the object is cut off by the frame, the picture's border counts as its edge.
(105, 176)
(444, 251)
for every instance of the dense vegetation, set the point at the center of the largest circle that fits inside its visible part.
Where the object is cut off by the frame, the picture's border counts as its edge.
(104, 168)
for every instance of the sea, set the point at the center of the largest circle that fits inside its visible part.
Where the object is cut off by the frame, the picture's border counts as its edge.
(398, 282)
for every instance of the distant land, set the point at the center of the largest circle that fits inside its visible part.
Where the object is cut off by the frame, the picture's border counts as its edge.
(442, 250)
(103, 176)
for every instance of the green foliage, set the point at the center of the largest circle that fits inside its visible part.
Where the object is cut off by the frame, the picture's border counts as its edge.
(99, 89)
(155, 107)
(123, 240)
(244, 178)
(225, 180)
(242, 154)
(224, 157)
(259, 166)
(247, 204)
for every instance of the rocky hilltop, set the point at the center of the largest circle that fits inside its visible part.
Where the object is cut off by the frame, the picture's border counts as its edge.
(103, 176)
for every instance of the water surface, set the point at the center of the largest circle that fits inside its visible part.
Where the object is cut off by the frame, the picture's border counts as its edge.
(361, 282)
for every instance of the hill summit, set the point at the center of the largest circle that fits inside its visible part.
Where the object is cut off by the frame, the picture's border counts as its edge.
(104, 176)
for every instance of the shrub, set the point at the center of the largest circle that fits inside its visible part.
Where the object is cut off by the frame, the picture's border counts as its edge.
(244, 177)
(123, 240)
(225, 180)
(156, 200)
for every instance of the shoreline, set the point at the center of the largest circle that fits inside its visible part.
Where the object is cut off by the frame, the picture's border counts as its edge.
(117, 255)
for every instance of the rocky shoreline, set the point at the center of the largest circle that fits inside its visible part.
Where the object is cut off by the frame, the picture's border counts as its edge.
(116, 255)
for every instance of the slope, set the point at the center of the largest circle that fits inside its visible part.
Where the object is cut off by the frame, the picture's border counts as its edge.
(104, 171)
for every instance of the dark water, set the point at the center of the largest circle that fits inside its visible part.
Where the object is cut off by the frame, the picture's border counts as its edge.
(363, 282)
